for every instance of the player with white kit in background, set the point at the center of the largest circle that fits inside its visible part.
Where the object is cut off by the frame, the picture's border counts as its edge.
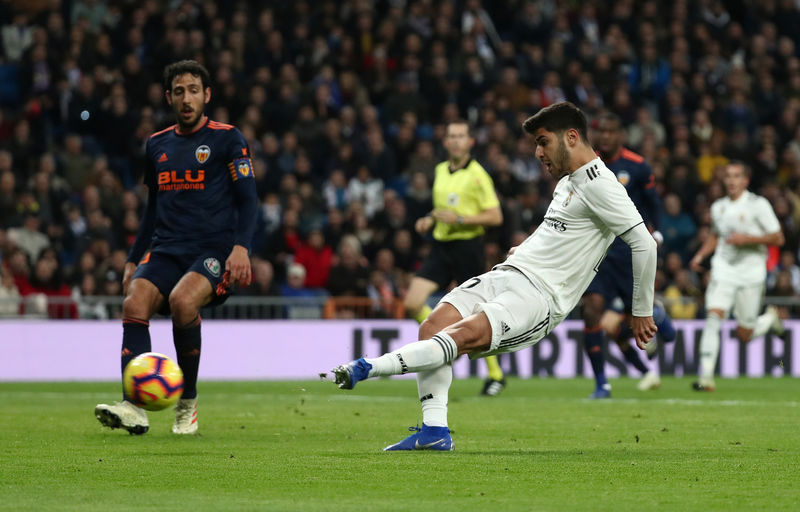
(742, 225)
(521, 300)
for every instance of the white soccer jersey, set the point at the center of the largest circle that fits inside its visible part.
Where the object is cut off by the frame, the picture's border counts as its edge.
(589, 209)
(752, 215)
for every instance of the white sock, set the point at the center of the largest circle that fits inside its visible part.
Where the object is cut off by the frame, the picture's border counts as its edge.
(709, 346)
(416, 357)
(433, 387)
(763, 323)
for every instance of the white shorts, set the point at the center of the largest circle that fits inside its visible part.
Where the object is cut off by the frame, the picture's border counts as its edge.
(745, 301)
(518, 312)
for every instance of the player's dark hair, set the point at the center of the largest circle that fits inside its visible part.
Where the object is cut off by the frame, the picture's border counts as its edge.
(558, 118)
(746, 170)
(610, 117)
(465, 123)
(181, 68)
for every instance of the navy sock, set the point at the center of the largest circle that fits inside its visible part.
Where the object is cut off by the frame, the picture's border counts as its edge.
(187, 347)
(593, 342)
(664, 323)
(632, 356)
(135, 340)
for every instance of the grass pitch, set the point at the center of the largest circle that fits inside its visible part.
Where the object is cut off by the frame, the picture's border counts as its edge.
(305, 446)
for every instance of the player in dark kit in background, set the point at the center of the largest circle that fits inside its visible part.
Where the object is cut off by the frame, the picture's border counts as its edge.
(614, 279)
(198, 224)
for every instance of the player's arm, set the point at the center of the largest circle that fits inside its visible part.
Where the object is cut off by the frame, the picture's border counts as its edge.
(609, 201)
(489, 217)
(769, 223)
(643, 253)
(768, 239)
(708, 248)
(147, 226)
(245, 199)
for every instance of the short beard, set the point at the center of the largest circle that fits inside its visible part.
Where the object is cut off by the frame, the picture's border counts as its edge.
(187, 127)
(561, 160)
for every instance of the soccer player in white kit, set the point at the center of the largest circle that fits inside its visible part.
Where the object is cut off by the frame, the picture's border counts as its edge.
(742, 225)
(521, 300)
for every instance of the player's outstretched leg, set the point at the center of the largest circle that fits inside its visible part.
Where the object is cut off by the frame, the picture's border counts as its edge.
(496, 381)
(123, 415)
(415, 357)
(769, 321)
(425, 438)
(347, 375)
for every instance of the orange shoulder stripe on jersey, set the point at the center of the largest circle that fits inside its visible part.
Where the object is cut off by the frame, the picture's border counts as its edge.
(627, 154)
(214, 125)
(165, 130)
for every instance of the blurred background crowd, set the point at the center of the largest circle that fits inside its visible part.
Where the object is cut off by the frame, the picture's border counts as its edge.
(344, 104)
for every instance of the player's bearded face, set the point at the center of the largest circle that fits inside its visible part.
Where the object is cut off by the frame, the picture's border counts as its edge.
(561, 159)
(552, 152)
(187, 98)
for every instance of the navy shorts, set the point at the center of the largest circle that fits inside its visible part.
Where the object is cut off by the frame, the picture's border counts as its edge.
(615, 277)
(164, 270)
(456, 260)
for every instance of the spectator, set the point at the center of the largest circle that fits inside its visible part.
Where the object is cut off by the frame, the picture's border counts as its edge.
(263, 284)
(789, 267)
(46, 283)
(349, 276)
(9, 294)
(28, 237)
(294, 288)
(315, 256)
(367, 190)
(677, 227)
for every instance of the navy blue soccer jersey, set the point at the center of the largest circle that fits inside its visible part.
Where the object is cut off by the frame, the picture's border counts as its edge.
(636, 176)
(202, 191)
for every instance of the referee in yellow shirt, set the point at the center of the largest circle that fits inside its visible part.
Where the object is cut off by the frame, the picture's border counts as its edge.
(464, 202)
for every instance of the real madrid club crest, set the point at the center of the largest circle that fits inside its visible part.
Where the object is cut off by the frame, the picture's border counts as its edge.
(202, 153)
(568, 199)
(624, 178)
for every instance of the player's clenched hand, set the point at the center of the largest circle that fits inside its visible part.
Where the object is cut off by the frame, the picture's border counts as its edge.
(643, 329)
(696, 264)
(737, 239)
(446, 216)
(127, 274)
(238, 264)
(423, 224)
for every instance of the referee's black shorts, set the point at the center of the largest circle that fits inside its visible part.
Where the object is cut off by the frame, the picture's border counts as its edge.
(455, 260)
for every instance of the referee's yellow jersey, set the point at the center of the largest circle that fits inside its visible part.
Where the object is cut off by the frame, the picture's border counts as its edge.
(466, 191)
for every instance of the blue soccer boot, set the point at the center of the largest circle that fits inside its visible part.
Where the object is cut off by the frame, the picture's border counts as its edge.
(425, 438)
(346, 376)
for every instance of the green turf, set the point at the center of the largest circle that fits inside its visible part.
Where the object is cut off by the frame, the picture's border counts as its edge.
(307, 446)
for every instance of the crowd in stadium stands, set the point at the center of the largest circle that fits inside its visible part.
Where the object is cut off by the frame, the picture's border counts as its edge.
(344, 103)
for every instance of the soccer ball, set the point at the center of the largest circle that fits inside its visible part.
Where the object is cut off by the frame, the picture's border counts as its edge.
(152, 381)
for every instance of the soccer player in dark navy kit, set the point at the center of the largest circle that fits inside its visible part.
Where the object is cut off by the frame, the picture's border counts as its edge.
(614, 279)
(193, 241)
